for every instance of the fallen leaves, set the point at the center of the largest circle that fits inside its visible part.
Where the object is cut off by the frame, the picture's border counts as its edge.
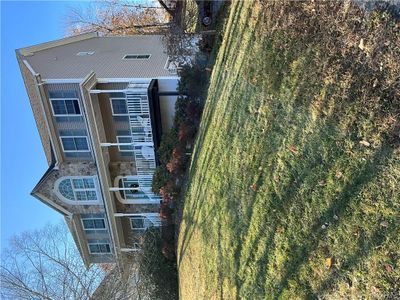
(293, 149)
(339, 175)
(375, 289)
(365, 143)
(388, 268)
(384, 224)
(361, 44)
(329, 262)
(253, 187)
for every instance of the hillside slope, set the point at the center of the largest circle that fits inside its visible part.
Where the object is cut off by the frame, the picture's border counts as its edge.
(294, 188)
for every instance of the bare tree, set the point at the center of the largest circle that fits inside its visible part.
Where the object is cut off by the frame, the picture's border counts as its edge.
(180, 45)
(122, 284)
(115, 17)
(45, 264)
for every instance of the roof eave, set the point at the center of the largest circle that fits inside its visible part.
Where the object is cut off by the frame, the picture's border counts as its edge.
(30, 50)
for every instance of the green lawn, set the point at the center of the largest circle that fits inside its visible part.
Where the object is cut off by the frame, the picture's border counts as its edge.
(294, 188)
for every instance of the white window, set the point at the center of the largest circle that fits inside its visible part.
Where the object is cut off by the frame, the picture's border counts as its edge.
(85, 53)
(131, 189)
(137, 56)
(138, 223)
(65, 107)
(125, 139)
(99, 248)
(77, 190)
(75, 144)
(94, 223)
(118, 107)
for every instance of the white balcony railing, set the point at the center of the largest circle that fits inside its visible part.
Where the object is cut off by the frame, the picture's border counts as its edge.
(142, 137)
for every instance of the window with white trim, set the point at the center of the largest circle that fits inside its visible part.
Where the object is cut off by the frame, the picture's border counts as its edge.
(138, 223)
(99, 248)
(93, 223)
(65, 107)
(85, 53)
(118, 107)
(137, 56)
(131, 189)
(75, 144)
(78, 189)
(124, 139)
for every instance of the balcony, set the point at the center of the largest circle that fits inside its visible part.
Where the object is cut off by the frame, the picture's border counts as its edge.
(136, 189)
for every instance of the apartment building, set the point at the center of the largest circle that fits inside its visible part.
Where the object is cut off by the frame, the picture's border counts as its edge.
(101, 105)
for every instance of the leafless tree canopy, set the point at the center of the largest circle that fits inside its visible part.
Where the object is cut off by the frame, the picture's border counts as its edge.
(117, 17)
(45, 264)
(113, 17)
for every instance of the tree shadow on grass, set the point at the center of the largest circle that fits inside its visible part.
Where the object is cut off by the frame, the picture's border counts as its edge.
(365, 247)
(364, 175)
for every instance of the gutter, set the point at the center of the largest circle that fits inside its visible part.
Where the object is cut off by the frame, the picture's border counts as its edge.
(108, 210)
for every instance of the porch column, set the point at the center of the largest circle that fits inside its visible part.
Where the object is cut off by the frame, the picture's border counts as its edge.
(129, 249)
(149, 144)
(117, 189)
(136, 214)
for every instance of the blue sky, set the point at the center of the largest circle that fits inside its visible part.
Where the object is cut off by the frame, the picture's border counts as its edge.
(22, 158)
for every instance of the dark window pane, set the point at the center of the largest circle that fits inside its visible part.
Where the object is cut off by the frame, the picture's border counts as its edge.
(89, 183)
(88, 224)
(99, 223)
(59, 107)
(68, 144)
(72, 107)
(80, 196)
(78, 183)
(94, 248)
(137, 223)
(125, 139)
(91, 195)
(119, 106)
(137, 56)
(77, 109)
(81, 144)
(65, 107)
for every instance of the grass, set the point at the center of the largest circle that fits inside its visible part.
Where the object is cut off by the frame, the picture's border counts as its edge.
(293, 189)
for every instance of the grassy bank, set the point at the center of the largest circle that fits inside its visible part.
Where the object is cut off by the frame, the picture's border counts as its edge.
(294, 185)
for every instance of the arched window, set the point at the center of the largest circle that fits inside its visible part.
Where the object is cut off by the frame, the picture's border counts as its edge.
(77, 190)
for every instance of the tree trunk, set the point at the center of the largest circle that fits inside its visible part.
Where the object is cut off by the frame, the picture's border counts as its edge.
(169, 11)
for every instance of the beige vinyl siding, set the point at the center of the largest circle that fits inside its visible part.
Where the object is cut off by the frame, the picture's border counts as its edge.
(72, 123)
(61, 62)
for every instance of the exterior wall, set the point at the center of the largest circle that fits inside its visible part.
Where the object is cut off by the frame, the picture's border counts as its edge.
(168, 85)
(107, 60)
(72, 123)
(114, 125)
(96, 236)
(47, 188)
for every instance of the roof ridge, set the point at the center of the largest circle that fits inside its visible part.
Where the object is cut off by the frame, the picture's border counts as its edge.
(30, 50)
